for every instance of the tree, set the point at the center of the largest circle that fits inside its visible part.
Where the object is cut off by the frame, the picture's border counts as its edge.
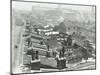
(84, 53)
(61, 27)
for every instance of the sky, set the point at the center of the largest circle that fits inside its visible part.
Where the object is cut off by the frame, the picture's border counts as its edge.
(28, 6)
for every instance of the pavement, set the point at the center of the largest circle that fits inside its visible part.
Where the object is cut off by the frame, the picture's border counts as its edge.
(82, 66)
(89, 65)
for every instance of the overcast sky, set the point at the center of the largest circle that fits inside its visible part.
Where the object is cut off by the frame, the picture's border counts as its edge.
(28, 6)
